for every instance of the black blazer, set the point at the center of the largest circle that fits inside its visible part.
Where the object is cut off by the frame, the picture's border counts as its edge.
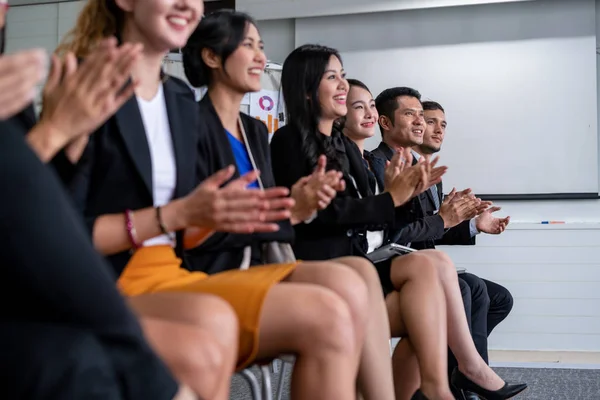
(418, 225)
(115, 169)
(223, 251)
(47, 259)
(340, 229)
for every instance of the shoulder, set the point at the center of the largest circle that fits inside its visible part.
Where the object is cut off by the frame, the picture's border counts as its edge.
(286, 136)
(179, 86)
(255, 125)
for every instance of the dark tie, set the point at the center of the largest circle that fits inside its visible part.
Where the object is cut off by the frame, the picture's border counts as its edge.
(436, 199)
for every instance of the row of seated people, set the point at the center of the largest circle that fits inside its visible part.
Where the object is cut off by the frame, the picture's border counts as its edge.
(160, 269)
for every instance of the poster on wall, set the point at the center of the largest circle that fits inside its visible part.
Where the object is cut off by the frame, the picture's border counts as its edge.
(267, 106)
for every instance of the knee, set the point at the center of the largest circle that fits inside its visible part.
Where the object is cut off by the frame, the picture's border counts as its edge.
(479, 293)
(444, 265)
(364, 268)
(203, 362)
(219, 318)
(332, 328)
(350, 285)
(506, 301)
(415, 266)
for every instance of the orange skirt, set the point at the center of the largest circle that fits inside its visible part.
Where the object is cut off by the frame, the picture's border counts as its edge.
(157, 269)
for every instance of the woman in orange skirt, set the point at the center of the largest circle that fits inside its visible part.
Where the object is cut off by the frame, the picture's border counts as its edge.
(135, 184)
(226, 55)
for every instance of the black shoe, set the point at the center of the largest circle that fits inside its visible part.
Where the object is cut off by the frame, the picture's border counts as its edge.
(418, 395)
(464, 384)
(470, 396)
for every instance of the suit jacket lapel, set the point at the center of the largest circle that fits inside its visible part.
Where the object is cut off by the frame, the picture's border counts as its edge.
(183, 117)
(218, 137)
(131, 128)
(357, 168)
(387, 150)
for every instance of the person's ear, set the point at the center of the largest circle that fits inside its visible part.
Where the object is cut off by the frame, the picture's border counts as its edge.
(209, 58)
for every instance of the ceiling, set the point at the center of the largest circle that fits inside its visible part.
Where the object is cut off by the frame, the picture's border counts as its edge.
(31, 2)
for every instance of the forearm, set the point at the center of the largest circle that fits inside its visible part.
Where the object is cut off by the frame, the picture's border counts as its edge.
(45, 141)
(111, 235)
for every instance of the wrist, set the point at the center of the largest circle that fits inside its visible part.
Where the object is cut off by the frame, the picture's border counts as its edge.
(174, 215)
(46, 140)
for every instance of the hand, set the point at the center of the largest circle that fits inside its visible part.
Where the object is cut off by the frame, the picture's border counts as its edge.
(235, 208)
(487, 223)
(456, 209)
(395, 166)
(404, 185)
(77, 99)
(479, 206)
(434, 174)
(316, 191)
(19, 75)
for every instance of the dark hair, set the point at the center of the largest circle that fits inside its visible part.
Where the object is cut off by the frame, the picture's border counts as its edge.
(3, 38)
(301, 76)
(341, 121)
(387, 101)
(432, 105)
(222, 32)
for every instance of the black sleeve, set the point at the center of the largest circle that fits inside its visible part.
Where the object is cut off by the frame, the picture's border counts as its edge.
(459, 235)
(76, 178)
(289, 165)
(51, 272)
(427, 228)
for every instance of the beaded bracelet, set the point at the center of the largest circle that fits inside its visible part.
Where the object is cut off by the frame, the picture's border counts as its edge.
(131, 232)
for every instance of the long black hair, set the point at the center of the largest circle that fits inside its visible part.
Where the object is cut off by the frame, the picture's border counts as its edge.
(301, 76)
(222, 32)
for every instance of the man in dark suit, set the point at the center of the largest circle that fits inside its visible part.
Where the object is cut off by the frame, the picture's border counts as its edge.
(403, 124)
(501, 301)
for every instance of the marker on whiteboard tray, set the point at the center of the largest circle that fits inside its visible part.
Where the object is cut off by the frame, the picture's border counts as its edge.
(552, 222)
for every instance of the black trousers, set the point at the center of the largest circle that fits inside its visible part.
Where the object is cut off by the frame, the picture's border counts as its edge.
(51, 275)
(486, 305)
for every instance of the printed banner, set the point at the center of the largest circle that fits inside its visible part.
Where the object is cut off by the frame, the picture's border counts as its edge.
(267, 106)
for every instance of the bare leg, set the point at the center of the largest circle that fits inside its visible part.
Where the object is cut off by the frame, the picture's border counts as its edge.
(460, 341)
(347, 284)
(406, 370)
(316, 325)
(196, 335)
(375, 380)
(418, 308)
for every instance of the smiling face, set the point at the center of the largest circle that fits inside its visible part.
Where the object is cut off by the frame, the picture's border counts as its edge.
(409, 123)
(333, 90)
(161, 25)
(246, 65)
(362, 115)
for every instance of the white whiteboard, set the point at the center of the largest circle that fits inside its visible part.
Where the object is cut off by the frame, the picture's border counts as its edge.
(522, 113)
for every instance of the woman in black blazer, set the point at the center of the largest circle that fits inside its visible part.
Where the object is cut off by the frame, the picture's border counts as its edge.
(47, 261)
(418, 303)
(144, 158)
(228, 137)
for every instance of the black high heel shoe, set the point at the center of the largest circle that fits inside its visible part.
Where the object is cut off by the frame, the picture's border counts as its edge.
(462, 383)
(418, 395)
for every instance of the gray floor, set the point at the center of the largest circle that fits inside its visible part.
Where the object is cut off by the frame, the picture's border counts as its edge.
(544, 384)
